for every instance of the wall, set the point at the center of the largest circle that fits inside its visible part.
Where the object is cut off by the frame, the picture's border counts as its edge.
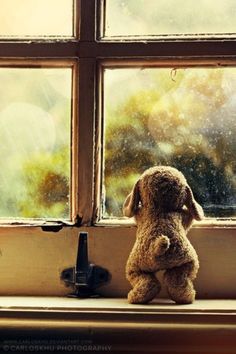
(31, 260)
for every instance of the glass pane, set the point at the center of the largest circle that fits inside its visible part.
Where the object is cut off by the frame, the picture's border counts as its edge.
(35, 126)
(36, 18)
(184, 118)
(169, 17)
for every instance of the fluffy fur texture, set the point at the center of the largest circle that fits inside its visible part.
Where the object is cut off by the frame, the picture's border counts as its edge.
(164, 208)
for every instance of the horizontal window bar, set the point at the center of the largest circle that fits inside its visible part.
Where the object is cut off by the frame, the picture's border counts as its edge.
(86, 49)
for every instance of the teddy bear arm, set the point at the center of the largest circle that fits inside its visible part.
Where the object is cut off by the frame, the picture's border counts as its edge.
(187, 219)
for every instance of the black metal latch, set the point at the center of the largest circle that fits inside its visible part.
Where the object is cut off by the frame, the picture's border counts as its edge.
(85, 277)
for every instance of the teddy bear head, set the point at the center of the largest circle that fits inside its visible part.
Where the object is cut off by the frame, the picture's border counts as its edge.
(164, 189)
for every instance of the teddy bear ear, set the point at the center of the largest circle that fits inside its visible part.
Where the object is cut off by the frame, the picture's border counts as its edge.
(131, 203)
(194, 208)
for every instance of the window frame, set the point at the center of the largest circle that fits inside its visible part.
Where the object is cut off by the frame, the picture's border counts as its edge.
(91, 53)
(49, 53)
(44, 64)
(119, 63)
(153, 37)
(134, 52)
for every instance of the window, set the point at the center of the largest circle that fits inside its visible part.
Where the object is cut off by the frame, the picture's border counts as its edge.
(168, 99)
(184, 117)
(79, 98)
(177, 106)
(140, 18)
(37, 111)
(36, 19)
(35, 133)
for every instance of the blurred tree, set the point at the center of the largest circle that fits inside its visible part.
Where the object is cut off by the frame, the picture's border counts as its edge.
(47, 177)
(35, 130)
(175, 122)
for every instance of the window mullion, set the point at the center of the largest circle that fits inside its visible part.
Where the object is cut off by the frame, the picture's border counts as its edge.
(88, 20)
(87, 82)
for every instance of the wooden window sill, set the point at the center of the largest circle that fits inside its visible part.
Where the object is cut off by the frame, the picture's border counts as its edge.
(113, 325)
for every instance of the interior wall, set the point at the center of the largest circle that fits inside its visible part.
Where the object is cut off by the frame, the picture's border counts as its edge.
(31, 260)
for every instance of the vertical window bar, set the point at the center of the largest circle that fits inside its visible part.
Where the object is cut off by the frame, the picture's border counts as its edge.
(87, 83)
(88, 20)
(74, 145)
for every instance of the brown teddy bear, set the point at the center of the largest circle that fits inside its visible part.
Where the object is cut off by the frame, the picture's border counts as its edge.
(164, 208)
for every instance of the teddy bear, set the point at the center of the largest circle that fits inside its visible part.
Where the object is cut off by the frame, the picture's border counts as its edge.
(164, 208)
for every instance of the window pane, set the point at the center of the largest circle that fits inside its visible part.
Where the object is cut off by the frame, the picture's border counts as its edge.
(35, 121)
(184, 118)
(36, 18)
(169, 17)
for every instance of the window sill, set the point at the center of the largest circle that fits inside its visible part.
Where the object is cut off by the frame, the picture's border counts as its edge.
(35, 223)
(206, 223)
(207, 326)
(108, 222)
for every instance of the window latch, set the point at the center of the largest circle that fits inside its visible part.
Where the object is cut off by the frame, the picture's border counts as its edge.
(85, 277)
